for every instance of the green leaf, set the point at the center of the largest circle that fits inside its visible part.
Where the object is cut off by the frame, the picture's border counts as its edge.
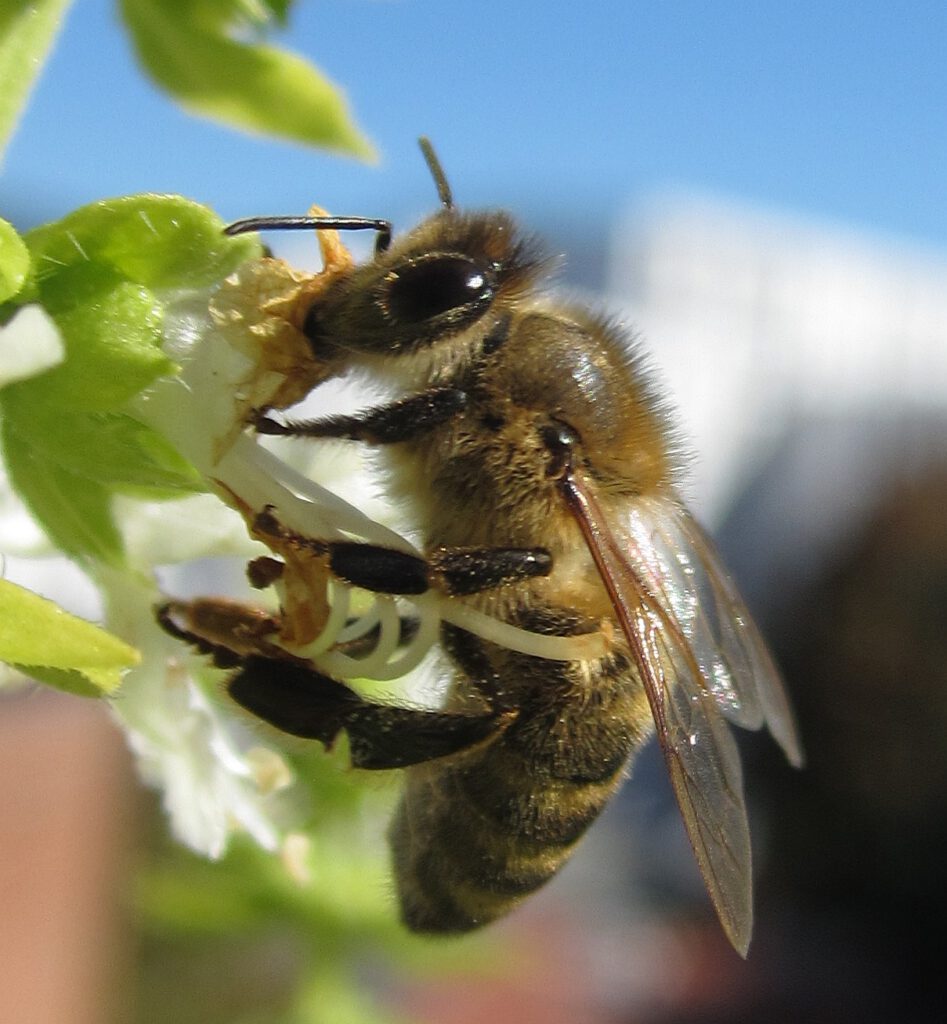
(110, 448)
(112, 333)
(75, 512)
(27, 31)
(190, 48)
(160, 241)
(66, 651)
(14, 261)
(102, 274)
(279, 10)
(68, 680)
(99, 272)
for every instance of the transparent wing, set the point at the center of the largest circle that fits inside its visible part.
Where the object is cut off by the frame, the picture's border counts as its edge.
(680, 567)
(700, 659)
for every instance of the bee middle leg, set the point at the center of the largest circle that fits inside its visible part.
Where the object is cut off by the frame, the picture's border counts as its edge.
(300, 701)
(455, 571)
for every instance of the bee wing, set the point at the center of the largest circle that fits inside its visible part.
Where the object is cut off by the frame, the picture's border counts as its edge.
(682, 569)
(696, 663)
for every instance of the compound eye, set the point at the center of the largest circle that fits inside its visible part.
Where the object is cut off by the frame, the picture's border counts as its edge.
(434, 285)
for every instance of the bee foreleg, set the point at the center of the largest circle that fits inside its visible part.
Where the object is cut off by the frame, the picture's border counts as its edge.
(223, 629)
(385, 424)
(302, 702)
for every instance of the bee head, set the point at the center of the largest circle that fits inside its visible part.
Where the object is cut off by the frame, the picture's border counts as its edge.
(454, 272)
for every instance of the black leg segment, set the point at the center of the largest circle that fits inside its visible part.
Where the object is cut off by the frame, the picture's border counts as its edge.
(473, 570)
(302, 702)
(453, 571)
(379, 569)
(386, 424)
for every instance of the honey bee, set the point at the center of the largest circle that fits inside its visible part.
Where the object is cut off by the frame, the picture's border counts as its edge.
(537, 461)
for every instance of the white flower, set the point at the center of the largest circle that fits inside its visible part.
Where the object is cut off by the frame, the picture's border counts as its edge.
(214, 776)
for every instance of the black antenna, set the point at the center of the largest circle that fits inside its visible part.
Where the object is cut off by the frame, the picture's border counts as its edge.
(437, 173)
(383, 227)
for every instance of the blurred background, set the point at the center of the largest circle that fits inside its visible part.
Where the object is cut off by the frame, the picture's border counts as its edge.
(759, 192)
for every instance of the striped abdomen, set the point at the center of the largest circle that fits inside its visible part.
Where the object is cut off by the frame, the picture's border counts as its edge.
(476, 833)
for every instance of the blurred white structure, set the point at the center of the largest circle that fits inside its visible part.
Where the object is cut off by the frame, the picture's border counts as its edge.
(761, 324)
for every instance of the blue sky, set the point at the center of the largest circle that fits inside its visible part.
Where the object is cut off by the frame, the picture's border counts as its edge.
(834, 110)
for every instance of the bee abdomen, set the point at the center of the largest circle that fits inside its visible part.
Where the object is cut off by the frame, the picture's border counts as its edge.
(470, 841)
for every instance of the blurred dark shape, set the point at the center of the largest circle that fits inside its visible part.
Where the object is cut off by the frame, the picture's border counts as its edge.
(851, 889)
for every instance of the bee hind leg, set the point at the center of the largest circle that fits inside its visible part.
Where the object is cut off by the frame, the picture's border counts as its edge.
(302, 702)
